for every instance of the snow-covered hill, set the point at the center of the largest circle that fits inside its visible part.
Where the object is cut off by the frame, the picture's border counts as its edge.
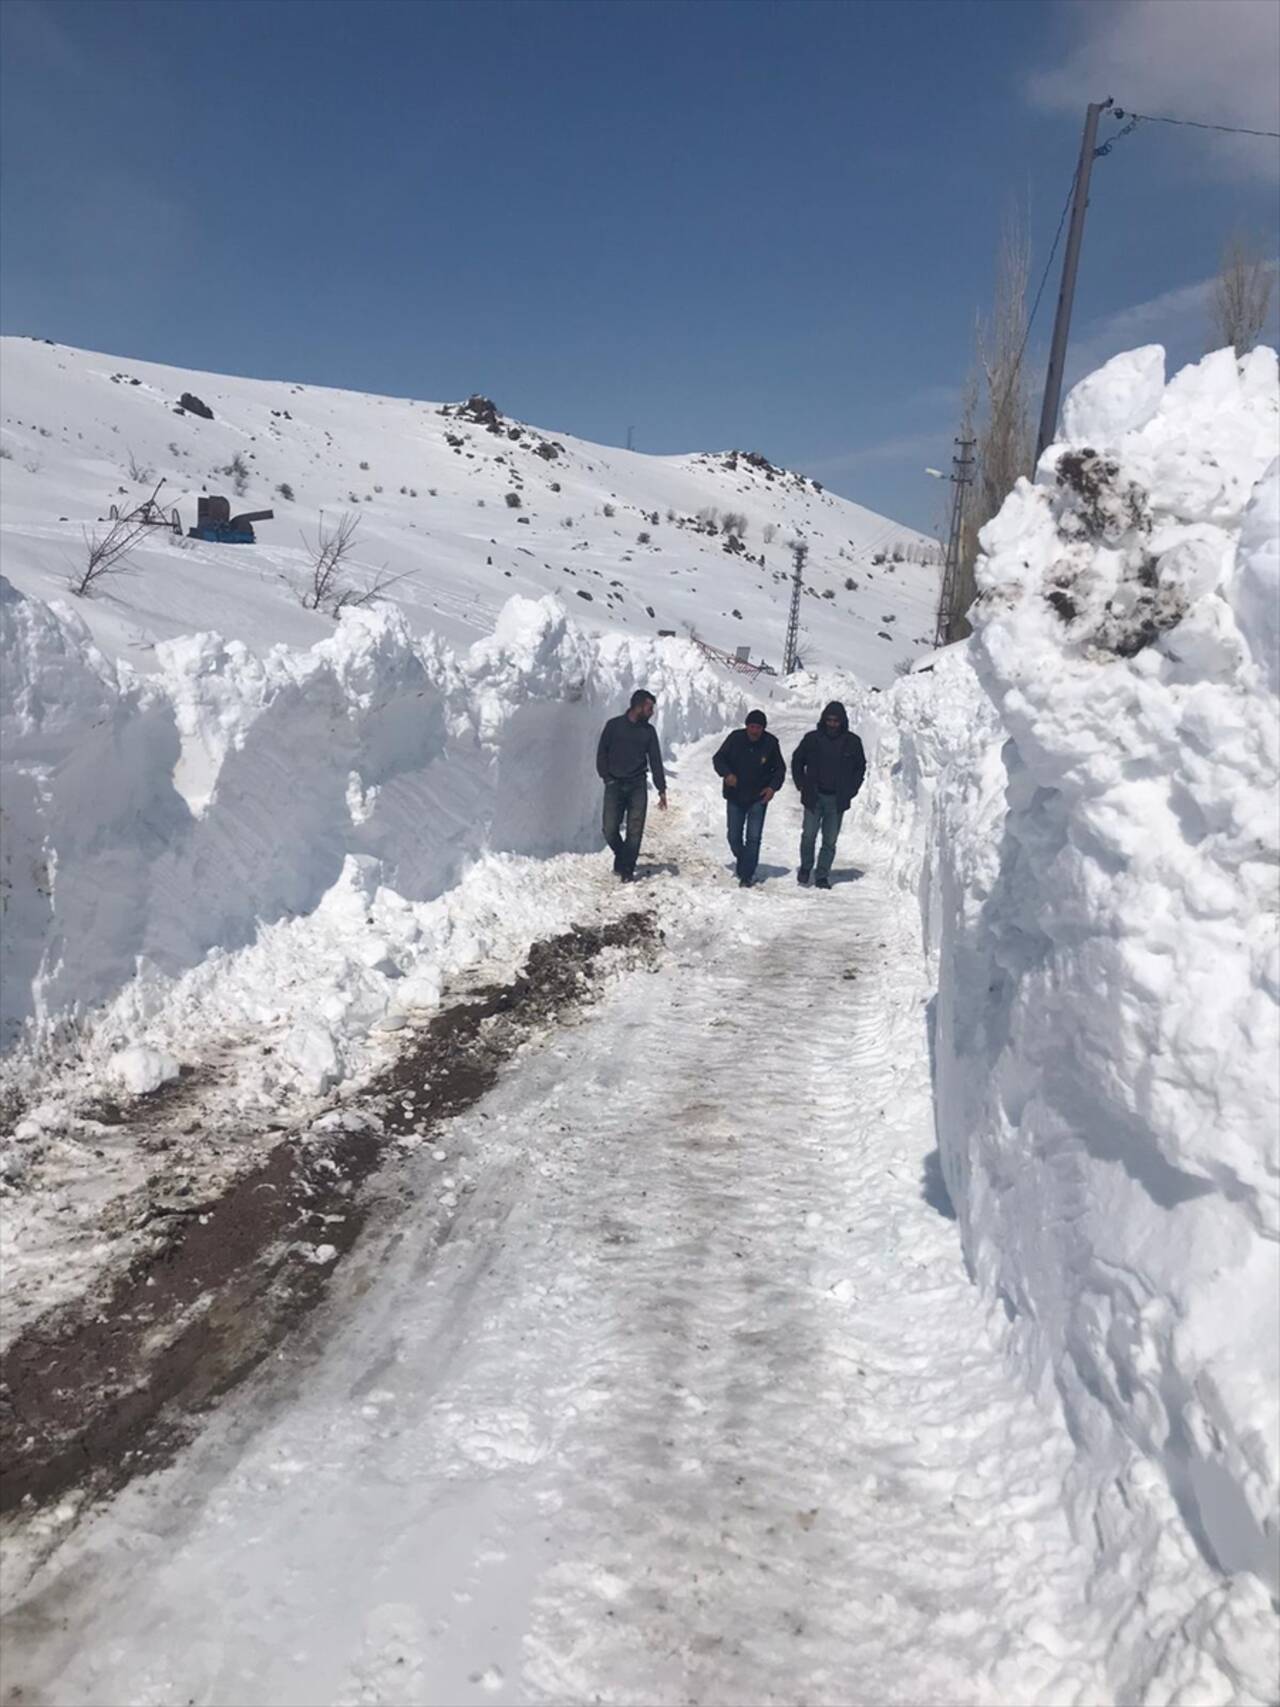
(459, 505)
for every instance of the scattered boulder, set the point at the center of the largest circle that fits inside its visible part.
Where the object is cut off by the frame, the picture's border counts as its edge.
(194, 406)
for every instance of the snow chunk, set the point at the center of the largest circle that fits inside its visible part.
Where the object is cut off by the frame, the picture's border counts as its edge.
(312, 1051)
(1255, 592)
(141, 1070)
(1119, 397)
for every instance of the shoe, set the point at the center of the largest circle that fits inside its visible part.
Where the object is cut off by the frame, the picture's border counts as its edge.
(802, 876)
(746, 883)
(822, 883)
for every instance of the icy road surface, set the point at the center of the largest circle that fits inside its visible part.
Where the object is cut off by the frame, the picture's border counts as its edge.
(694, 1405)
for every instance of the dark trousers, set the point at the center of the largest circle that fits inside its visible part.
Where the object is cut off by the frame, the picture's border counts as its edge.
(826, 816)
(625, 800)
(746, 826)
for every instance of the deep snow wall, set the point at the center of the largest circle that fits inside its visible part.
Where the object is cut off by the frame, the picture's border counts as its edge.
(1085, 796)
(152, 821)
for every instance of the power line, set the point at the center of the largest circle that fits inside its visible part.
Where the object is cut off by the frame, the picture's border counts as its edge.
(1194, 124)
(1044, 277)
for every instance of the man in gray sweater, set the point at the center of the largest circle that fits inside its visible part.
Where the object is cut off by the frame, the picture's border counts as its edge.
(628, 750)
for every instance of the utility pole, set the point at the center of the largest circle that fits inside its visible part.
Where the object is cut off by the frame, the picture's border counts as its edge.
(1070, 266)
(961, 478)
(799, 551)
(630, 433)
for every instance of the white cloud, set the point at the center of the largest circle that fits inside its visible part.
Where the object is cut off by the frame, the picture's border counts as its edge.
(1178, 319)
(1210, 60)
(903, 447)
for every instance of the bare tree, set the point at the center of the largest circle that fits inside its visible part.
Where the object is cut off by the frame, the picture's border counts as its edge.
(139, 471)
(1241, 296)
(106, 554)
(995, 411)
(1006, 446)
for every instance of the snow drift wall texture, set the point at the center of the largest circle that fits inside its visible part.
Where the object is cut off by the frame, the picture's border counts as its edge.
(1100, 889)
(150, 821)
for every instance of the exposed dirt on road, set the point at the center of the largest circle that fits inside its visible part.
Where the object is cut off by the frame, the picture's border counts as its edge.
(111, 1385)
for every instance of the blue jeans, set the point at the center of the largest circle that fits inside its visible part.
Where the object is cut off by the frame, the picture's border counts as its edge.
(827, 817)
(746, 826)
(630, 800)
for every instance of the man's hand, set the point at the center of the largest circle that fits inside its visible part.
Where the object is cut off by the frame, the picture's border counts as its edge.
(731, 781)
(766, 794)
(662, 802)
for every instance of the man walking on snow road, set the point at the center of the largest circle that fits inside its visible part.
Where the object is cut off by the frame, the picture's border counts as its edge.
(628, 750)
(827, 767)
(751, 763)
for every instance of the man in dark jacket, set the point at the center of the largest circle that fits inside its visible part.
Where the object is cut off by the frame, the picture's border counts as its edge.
(628, 750)
(752, 766)
(827, 767)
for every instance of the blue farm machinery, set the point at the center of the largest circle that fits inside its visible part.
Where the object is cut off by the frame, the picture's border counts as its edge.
(215, 523)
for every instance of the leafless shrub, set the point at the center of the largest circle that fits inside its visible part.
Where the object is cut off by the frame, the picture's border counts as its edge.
(237, 471)
(770, 532)
(608, 510)
(1241, 296)
(735, 523)
(105, 554)
(330, 588)
(351, 598)
(139, 472)
(329, 551)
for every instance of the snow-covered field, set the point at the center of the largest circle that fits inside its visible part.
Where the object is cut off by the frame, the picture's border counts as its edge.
(704, 1397)
(459, 512)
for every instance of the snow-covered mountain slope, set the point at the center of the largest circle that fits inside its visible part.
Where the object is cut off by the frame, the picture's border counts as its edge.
(461, 506)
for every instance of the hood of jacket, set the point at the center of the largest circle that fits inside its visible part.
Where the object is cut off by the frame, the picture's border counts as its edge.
(835, 709)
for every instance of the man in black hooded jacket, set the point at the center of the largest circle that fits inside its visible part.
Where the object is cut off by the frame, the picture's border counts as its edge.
(827, 767)
(752, 766)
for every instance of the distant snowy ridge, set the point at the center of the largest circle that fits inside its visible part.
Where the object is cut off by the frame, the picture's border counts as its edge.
(1086, 797)
(459, 506)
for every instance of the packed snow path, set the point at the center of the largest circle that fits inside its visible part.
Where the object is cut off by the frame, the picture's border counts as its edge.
(695, 1404)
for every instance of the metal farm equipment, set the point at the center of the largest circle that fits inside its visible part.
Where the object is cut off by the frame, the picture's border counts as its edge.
(148, 513)
(216, 524)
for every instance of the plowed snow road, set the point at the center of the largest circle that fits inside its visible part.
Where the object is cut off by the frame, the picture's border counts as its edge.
(694, 1405)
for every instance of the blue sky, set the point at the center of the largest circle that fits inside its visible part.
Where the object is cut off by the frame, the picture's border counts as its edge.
(762, 223)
